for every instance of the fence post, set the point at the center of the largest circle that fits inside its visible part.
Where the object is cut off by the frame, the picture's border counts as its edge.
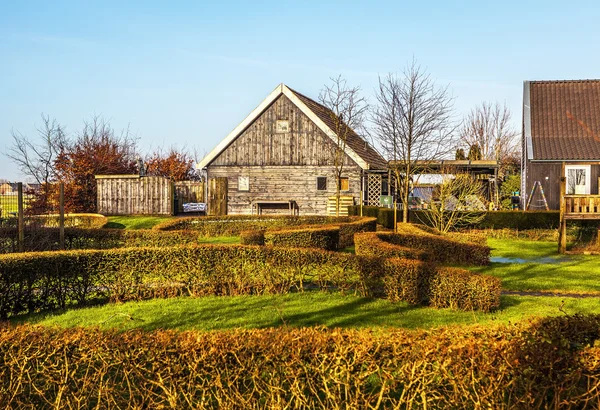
(61, 218)
(21, 221)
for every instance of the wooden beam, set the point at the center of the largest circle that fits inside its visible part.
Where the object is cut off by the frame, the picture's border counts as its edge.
(562, 234)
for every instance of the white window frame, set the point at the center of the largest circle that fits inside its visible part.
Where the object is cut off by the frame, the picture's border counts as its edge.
(243, 183)
(588, 177)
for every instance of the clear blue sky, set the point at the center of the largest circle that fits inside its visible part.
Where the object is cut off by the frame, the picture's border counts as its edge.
(186, 73)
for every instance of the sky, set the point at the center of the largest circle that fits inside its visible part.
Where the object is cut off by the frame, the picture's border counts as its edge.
(183, 74)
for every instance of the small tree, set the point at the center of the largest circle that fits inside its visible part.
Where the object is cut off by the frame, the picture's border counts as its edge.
(460, 154)
(174, 164)
(414, 125)
(347, 111)
(474, 153)
(455, 203)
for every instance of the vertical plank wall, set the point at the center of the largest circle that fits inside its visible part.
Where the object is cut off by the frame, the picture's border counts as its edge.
(134, 195)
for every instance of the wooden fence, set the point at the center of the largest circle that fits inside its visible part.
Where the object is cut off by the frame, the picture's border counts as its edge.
(146, 195)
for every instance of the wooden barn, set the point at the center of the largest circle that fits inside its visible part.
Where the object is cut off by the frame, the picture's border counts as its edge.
(280, 159)
(561, 125)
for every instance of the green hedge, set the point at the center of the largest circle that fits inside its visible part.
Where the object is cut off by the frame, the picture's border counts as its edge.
(46, 280)
(521, 220)
(47, 239)
(326, 238)
(548, 363)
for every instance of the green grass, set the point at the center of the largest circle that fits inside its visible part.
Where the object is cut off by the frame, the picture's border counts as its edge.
(564, 273)
(135, 222)
(9, 203)
(297, 310)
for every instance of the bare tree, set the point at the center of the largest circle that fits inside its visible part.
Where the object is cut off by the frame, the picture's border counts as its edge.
(455, 203)
(347, 110)
(489, 126)
(36, 159)
(413, 123)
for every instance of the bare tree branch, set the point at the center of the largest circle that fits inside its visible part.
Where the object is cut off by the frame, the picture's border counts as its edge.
(414, 124)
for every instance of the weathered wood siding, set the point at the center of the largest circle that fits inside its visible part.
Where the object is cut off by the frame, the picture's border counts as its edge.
(260, 145)
(282, 166)
(134, 195)
(538, 171)
(284, 183)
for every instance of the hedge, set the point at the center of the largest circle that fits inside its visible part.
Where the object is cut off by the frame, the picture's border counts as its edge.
(463, 290)
(46, 280)
(493, 220)
(549, 363)
(47, 239)
(252, 237)
(419, 242)
(326, 238)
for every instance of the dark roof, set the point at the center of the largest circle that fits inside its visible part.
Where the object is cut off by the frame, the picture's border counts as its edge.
(565, 119)
(354, 141)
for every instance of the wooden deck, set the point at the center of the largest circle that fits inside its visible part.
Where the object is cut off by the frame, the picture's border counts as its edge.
(582, 207)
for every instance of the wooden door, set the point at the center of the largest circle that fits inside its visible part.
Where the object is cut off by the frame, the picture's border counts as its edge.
(217, 196)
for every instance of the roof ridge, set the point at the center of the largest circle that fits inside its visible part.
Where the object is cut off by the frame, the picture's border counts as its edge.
(588, 80)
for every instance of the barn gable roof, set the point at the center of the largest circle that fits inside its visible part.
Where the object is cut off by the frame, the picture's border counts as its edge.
(356, 147)
(562, 120)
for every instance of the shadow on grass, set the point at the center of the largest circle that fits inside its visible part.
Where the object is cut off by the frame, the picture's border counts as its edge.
(114, 225)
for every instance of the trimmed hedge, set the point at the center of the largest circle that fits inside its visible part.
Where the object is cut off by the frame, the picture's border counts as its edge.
(370, 244)
(47, 239)
(326, 238)
(549, 363)
(47, 280)
(461, 289)
(443, 249)
(521, 220)
(253, 237)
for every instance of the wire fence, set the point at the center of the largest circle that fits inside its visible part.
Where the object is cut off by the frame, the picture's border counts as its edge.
(20, 222)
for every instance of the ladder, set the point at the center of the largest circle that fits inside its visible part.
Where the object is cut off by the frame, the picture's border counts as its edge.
(535, 185)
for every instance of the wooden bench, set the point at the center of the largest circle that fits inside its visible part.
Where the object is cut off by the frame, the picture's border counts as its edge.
(292, 206)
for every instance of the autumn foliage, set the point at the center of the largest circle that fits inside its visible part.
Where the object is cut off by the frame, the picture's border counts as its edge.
(177, 165)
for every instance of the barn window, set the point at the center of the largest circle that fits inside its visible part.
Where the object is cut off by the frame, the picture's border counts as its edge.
(321, 183)
(243, 183)
(282, 126)
(344, 184)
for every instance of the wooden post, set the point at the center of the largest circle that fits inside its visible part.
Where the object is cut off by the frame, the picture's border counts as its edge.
(61, 217)
(395, 218)
(562, 234)
(21, 221)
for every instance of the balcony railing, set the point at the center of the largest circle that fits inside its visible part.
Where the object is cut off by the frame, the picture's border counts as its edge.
(582, 206)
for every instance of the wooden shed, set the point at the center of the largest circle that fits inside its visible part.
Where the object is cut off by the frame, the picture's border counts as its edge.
(280, 159)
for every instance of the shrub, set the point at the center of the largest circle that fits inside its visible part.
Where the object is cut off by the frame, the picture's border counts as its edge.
(252, 237)
(442, 248)
(322, 238)
(370, 244)
(464, 290)
(368, 211)
(548, 363)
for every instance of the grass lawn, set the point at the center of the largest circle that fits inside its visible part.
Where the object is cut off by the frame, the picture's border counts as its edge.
(9, 203)
(298, 309)
(135, 222)
(537, 266)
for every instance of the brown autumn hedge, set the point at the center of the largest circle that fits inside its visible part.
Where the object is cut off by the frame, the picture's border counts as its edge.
(445, 249)
(39, 281)
(235, 224)
(549, 363)
(327, 238)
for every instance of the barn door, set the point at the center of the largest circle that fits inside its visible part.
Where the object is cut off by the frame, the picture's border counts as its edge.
(217, 196)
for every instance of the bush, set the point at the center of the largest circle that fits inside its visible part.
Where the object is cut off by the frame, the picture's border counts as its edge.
(368, 211)
(549, 363)
(322, 238)
(442, 248)
(253, 237)
(370, 244)
(464, 290)
(47, 239)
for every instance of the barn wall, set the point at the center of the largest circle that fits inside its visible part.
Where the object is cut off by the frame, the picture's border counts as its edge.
(538, 171)
(261, 145)
(284, 183)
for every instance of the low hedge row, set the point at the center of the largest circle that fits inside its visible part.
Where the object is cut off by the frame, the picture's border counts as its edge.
(550, 363)
(326, 238)
(418, 242)
(47, 280)
(493, 220)
(47, 239)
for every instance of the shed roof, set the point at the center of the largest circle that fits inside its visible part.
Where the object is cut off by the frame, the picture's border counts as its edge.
(562, 120)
